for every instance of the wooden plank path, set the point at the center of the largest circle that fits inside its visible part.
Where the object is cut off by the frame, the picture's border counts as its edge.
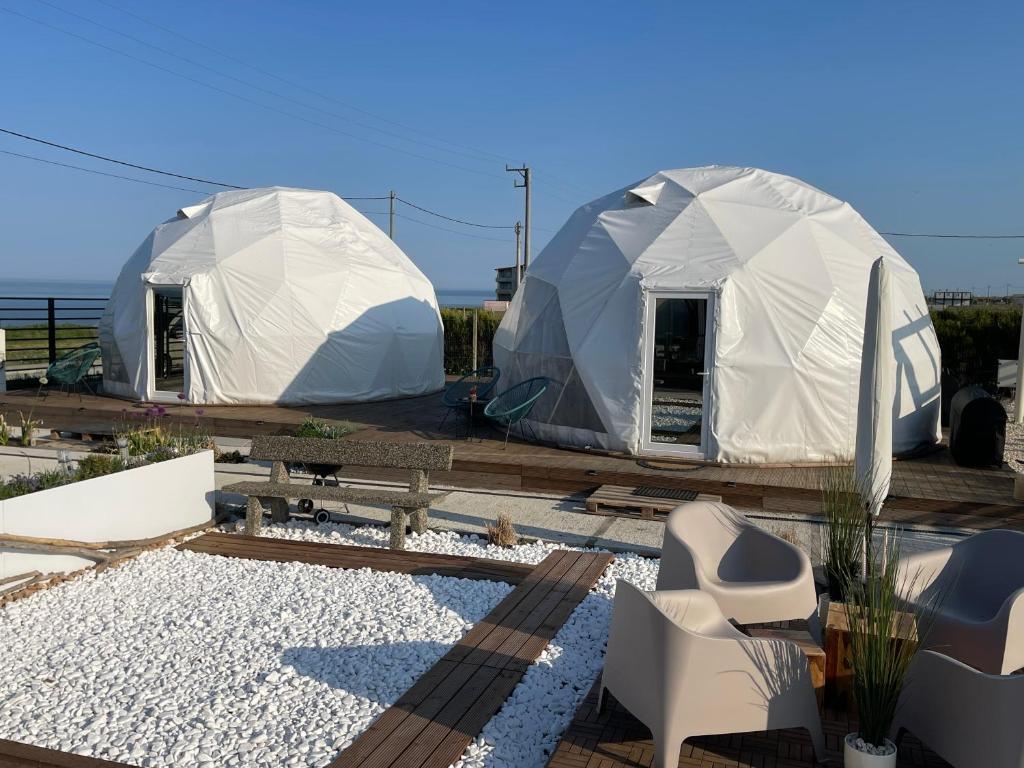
(345, 556)
(433, 722)
(616, 739)
(14, 754)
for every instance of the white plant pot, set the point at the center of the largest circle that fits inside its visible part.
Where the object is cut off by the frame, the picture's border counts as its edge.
(854, 758)
(137, 503)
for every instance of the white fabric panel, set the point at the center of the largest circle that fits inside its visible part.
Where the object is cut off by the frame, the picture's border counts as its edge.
(789, 265)
(291, 296)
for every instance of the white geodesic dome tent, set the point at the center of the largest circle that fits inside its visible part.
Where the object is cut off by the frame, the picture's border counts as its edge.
(286, 296)
(783, 268)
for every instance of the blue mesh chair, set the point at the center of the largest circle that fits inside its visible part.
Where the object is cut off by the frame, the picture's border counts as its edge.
(70, 370)
(455, 397)
(514, 404)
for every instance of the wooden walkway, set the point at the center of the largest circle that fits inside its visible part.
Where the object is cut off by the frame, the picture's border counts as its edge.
(343, 556)
(14, 754)
(616, 739)
(930, 490)
(431, 725)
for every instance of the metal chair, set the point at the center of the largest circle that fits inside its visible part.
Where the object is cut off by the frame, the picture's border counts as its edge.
(70, 370)
(454, 397)
(514, 404)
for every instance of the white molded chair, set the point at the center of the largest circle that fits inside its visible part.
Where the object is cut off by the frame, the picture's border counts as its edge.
(683, 670)
(969, 718)
(755, 577)
(977, 589)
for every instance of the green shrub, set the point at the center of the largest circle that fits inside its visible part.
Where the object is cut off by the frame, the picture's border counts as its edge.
(974, 339)
(319, 428)
(458, 338)
(845, 528)
(230, 457)
(97, 465)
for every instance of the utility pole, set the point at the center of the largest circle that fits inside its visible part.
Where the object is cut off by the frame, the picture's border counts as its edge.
(524, 173)
(519, 229)
(391, 214)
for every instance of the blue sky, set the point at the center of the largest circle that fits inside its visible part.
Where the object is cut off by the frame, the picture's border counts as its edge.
(911, 111)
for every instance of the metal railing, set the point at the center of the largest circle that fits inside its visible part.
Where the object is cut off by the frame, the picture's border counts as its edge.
(41, 329)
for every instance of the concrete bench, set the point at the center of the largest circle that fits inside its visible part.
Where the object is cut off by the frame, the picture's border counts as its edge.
(418, 458)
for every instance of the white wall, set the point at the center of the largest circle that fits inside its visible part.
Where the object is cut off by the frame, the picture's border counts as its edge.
(140, 503)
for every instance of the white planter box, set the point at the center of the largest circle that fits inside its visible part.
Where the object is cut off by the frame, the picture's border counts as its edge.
(135, 504)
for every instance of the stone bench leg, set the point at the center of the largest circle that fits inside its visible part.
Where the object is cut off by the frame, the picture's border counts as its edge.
(253, 516)
(278, 509)
(418, 520)
(397, 528)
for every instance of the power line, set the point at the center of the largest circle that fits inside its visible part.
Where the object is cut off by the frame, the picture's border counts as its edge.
(100, 173)
(249, 84)
(246, 99)
(457, 221)
(954, 237)
(118, 162)
(299, 86)
(453, 231)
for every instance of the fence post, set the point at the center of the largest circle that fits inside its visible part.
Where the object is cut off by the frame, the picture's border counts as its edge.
(3, 360)
(51, 328)
(474, 342)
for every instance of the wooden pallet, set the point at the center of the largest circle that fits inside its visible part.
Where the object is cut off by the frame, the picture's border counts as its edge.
(623, 501)
(342, 556)
(431, 725)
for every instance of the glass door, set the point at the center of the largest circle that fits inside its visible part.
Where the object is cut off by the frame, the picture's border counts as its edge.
(168, 341)
(676, 370)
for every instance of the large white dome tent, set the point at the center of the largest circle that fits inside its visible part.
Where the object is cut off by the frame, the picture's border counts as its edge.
(715, 312)
(272, 295)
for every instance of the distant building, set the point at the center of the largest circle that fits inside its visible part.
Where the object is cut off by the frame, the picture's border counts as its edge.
(951, 299)
(505, 282)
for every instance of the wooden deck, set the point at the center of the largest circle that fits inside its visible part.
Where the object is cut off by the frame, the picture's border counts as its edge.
(616, 739)
(344, 556)
(14, 754)
(930, 490)
(431, 725)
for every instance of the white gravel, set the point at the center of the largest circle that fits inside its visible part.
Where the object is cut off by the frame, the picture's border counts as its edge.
(526, 730)
(184, 659)
(188, 660)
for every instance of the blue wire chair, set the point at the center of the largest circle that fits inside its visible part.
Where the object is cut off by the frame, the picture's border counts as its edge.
(69, 370)
(514, 404)
(455, 396)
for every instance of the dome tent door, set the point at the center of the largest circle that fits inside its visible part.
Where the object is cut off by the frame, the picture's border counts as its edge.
(677, 349)
(166, 323)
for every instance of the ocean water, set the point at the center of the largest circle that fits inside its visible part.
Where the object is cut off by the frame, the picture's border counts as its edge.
(15, 287)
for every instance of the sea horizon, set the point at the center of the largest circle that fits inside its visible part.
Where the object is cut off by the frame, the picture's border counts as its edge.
(15, 287)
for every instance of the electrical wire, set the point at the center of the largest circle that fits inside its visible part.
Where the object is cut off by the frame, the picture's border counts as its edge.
(449, 218)
(249, 84)
(118, 162)
(953, 237)
(246, 99)
(100, 173)
(446, 229)
(300, 86)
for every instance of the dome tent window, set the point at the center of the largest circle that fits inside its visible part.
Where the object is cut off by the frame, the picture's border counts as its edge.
(784, 268)
(286, 296)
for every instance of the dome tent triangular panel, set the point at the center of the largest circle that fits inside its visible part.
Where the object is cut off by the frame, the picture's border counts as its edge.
(286, 296)
(779, 267)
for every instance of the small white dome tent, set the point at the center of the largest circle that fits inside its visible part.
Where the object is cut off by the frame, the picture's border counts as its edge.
(717, 312)
(271, 295)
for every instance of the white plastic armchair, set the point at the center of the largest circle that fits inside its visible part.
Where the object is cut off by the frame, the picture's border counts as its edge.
(754, 576)
(683, 670)
(969, 718)
(973, 593)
